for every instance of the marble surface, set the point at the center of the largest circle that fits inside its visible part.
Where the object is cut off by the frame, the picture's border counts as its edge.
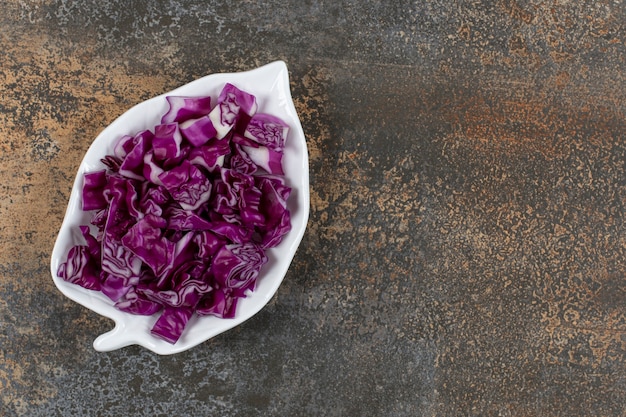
(465, 254)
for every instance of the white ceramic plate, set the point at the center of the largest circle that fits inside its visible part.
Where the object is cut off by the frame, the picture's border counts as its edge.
(270, 84)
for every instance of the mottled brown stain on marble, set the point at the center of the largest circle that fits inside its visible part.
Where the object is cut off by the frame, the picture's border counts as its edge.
(531, 122)
(583, 327)
(53, 106)
(516, 11)
(45, 116)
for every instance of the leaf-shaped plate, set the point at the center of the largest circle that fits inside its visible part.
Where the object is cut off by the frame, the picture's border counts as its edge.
(270, 84)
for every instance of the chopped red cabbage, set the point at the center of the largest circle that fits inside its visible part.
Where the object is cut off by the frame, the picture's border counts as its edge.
(210, 156)
(137, 303)
(237, 266)
(115, 287)
(151, 170)
(274, 207)
(180, 219)
(232, 104)
(265, 157)
(198, 131)
(267, 130)
(92, 243)
(132, 165)
(166, 141)
(187, 185)
(171, 324)
(123, 145)
(240, 161)
(183, 213)
(146, 240)
(81, 268)
(218, 303)
(93, 187)
(207, 243)
(185, 108)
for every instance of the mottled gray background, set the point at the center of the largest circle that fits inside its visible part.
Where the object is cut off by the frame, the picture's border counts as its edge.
(465, 250)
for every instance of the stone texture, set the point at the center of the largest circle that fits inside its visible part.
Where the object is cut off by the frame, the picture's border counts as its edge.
(465, 253)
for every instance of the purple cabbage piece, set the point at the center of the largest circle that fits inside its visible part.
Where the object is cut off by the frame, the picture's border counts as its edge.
(274, 207)
(137, 303)
(220, 303)
(230, 228)
(116, 287)
(185, 108)
(240, 161)
(187, 294)
(146, 240)
(92, 243)
(208, 243)
(239, 194)
(123, 145)
(153, 199)
(172, 322)
(237, 266)
(166, 141)
(80, 269)
(118, 263)
(232, 104)
(182, 257)
(94, 184)
(234, 96)
(123, 206)
(198, 131)
(118, 260)
(278, 183)
(267, 130)
(151, 170)
(132, 165)
(99, 220)
(265, 157)
(210, 156)
(120, 267)
(187, 185)
(230, 188)
(179, 219)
